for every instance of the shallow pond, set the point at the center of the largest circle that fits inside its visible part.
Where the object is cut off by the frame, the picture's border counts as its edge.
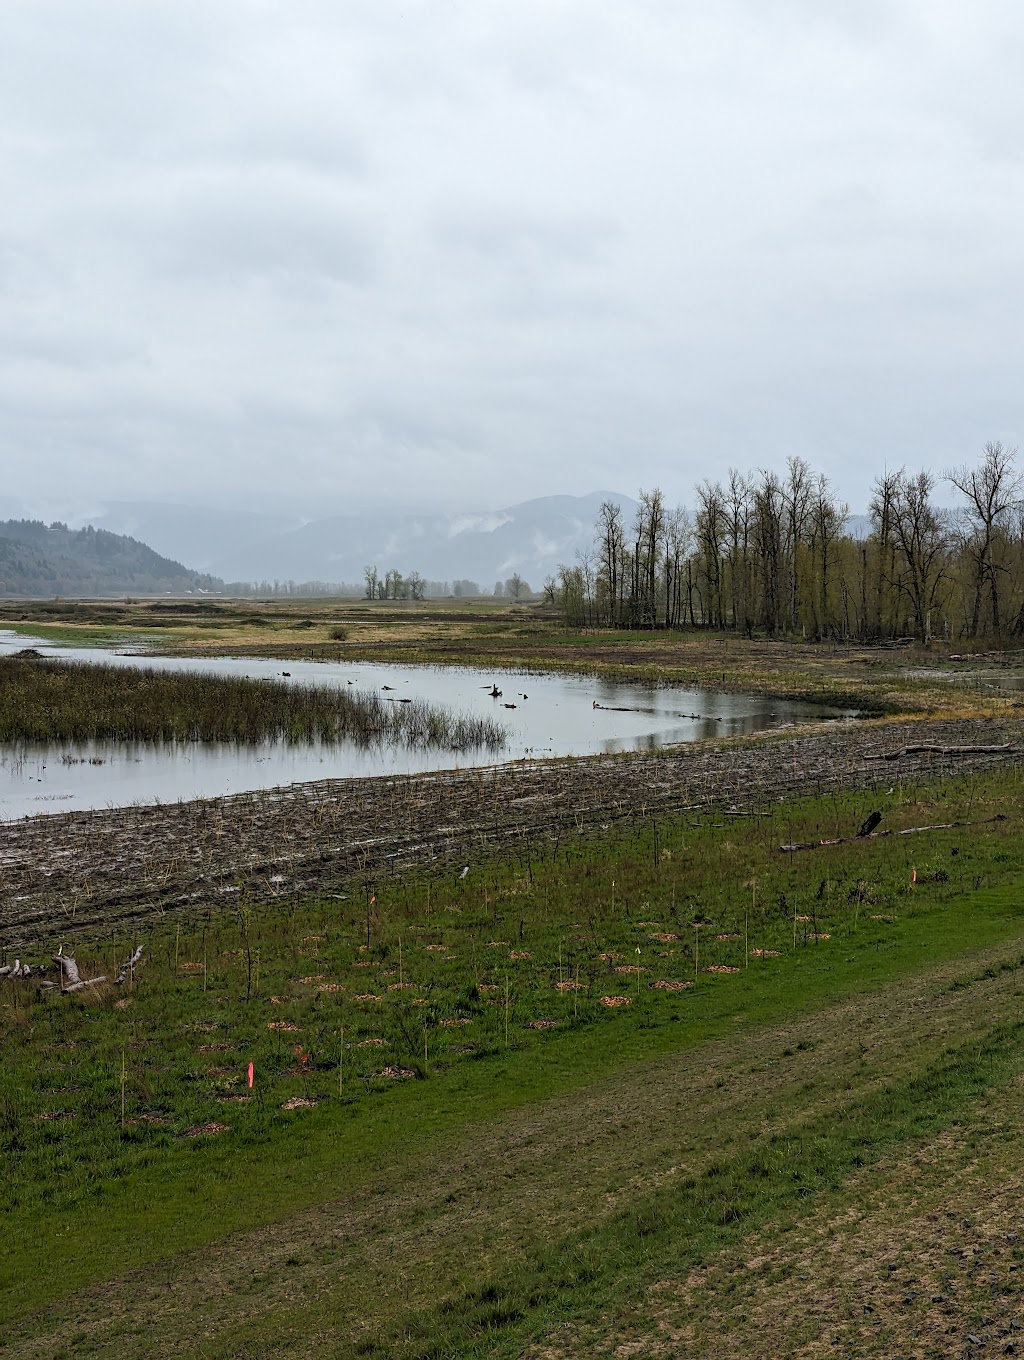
(545, 715)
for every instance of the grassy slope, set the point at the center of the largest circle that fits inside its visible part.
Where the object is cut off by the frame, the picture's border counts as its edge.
(546, 1186)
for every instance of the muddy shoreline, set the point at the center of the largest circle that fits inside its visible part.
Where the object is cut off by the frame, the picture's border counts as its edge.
(89, 872)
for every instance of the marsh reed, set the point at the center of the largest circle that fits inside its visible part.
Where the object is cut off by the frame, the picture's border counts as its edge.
(43, 700)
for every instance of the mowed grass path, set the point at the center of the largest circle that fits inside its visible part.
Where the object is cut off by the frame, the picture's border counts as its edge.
(530, 1202)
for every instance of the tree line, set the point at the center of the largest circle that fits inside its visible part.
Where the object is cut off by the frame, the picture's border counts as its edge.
(778, 555)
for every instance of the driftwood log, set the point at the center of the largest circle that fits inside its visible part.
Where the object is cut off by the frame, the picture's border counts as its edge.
(72, 981)
(69, 975)
(929, 748)
(877, 835)
(128, 967)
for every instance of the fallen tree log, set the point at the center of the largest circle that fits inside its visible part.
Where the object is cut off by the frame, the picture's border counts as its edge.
(877, 835)
(930, 748)
(70, 979)
(128, 967)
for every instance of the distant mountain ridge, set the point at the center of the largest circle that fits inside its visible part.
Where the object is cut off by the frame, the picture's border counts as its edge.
(530, 538)
(38, 559)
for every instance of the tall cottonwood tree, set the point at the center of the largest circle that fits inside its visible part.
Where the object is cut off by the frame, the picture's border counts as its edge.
(992, 493)
(772, 554)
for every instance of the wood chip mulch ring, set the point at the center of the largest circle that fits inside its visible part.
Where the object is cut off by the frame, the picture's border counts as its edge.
(309, 981)
(666, 985)
(331, 987)
(722, 968)
(47, 1115)
(286, 1025)
(279, 1000)
(401, 987)
(496, 944)
(300, 1103)
(215, 1048)
(520, 954)
(607, 958)
(543, 1023)
(630, 968)
(233, 1100)
(436, 948)
(664, 936)
(616, 1001)
(766, 954)
(568, 986)
(369, 1043)
(732, 936)
(202, 1130)
(369, 996)
(190, 968)
(456, 1020)
(395, 1073)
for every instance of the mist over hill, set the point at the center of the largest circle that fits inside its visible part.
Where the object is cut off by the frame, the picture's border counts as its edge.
(531, 538)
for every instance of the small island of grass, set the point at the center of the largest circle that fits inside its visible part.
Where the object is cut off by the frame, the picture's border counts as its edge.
(43, 700)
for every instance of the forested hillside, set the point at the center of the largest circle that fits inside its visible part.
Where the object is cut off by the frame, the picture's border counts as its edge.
(36, 559)
(783, 556)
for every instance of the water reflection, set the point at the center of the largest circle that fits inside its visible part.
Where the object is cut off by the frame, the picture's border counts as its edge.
(545, 715)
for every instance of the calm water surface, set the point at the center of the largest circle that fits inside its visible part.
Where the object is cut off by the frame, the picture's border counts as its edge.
(554, 715)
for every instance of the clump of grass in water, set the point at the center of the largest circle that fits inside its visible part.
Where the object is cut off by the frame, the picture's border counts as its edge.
(50, 701)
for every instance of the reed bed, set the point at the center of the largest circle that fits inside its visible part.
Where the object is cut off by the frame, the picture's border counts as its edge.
(66, 701)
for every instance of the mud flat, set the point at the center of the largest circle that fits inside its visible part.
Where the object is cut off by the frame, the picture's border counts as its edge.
(92, 870)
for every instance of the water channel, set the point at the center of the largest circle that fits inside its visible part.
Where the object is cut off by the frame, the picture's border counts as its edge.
(551, 715)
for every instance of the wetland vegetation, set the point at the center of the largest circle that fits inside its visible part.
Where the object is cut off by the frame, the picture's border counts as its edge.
(46, 700)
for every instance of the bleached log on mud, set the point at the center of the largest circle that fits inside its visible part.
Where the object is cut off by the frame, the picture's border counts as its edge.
(929, 748)
(878, 835)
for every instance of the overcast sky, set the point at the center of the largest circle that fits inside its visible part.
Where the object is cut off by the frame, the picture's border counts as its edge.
(465, 252)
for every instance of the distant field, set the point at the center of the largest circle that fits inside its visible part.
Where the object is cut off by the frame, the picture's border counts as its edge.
(660, 1087)
(905, 678)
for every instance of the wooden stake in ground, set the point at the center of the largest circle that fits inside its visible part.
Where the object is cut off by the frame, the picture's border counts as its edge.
(341, 1063)
(506, 1010)
(123, 1078)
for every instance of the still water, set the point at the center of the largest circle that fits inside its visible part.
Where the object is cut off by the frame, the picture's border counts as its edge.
(552, 715)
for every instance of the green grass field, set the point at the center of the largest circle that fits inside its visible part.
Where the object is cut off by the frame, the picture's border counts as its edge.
(454, 1145)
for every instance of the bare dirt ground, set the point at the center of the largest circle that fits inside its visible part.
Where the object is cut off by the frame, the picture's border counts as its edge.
(82, 871)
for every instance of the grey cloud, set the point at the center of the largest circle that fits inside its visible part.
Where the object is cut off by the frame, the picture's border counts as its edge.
(439, 249)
